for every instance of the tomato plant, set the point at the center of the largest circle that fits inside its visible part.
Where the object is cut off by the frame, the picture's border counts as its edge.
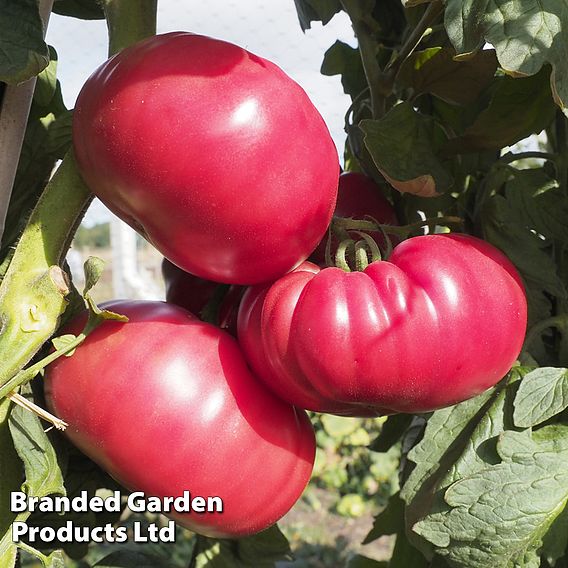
(197, 191)
(179, 410)
(457, 111)
(441, 321)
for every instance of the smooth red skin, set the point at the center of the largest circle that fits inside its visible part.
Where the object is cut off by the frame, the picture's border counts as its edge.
(358, 197)
(211, 152)
(194, 293)
(441, 321)
(166, 403)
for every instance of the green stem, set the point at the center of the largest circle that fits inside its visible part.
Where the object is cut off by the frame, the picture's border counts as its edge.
(430, 15)
(129, 21)
(368, 50)
(29, 373)
(34, 290)
(510, 157)
(403, 231)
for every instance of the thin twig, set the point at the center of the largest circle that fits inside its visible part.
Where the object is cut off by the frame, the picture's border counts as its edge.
(32, 407)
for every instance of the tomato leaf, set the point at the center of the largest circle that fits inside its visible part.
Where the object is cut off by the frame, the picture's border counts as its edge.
(405, 555)
(436, 71)
(10, 480)
(43, 474)
(316, 11)
(530, 254)
(526, 35)
(457, 441)
(262, 550)
(518, 108)
(389, 521)
(538, 203)
(391, 432)
(23, 53)
(63, 341)
(83, 9)
(531, 477)
(342, 59)
(543, 393)
(403, 147)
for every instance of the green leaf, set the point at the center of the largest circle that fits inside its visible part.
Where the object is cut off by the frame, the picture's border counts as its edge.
(23, 53)
(436, 71)
(10, 480)
(405, 555)
(518, 108)
(316, 11)
(403, 146)
(526, 35)
(528, 252)
(43, 474)
(46, 85)
(342, 59)
(555, 540)
(458, 441)
(262, 550)
(543, 393)
(63, 341)
(391, 432)
(498, 515)
(538, 203)
(83, 9)
(389, 521)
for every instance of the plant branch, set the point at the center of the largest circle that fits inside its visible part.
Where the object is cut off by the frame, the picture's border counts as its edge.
(129, 21)
(403, 231)
(560, 321)
(368, 51)
(430, 15)
(510, 157)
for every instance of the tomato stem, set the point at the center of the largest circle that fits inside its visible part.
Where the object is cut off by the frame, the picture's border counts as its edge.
(129, 21)
(403, 231)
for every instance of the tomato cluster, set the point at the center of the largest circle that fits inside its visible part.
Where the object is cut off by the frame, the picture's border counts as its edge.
(221, 161)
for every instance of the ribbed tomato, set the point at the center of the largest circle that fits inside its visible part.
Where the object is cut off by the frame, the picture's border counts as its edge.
(439, 322)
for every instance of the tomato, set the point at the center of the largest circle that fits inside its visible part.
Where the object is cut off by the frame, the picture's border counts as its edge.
(439, 322)
(211, 152)
(358, 197)
(166, 403)
(194, 294)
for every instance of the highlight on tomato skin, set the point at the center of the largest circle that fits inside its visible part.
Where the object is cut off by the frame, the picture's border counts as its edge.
(163, 133)
(440, 322)
(166, 403)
